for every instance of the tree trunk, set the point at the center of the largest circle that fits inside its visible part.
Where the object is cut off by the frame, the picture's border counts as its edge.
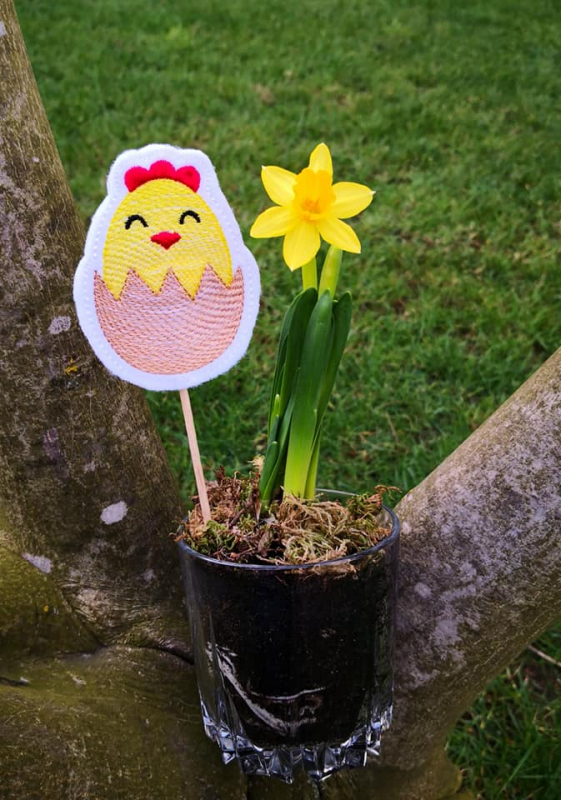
(97, 695)
(85, 491)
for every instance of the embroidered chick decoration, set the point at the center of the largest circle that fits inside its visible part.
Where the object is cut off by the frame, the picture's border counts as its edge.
(167, 293)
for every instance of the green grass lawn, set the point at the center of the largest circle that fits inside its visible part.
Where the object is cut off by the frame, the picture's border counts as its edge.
(451, 111)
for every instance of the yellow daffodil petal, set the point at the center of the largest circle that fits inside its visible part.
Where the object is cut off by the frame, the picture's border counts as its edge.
(321, 159)
(279, 184)
(350, 199)
(273, 222)
(301, 244)
(339, 233)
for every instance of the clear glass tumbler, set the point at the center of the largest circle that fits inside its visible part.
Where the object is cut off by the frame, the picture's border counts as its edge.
(294, 664)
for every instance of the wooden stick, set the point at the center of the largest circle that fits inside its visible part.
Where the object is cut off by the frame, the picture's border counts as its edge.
(195, 455)
(544, 656)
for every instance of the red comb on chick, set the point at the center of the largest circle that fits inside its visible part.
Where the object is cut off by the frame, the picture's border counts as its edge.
(138, 176)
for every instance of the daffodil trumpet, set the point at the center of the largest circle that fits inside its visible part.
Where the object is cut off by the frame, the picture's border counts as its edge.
(316, 327)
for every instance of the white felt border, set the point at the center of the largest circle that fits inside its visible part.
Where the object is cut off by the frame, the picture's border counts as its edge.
(91, 263)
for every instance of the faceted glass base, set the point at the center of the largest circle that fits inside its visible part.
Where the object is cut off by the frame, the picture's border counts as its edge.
(319, 761)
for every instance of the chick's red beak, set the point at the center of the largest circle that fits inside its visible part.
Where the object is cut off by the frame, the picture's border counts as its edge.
(165, 238)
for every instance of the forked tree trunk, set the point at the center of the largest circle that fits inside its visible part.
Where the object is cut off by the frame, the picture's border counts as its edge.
(97, 695)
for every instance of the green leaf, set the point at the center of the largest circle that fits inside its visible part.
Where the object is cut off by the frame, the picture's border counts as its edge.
(275, 418)
(313, 467)
(342, 312)
(314, 362)
(291, 342)
(275, 458)
(295, 342)
(268, 473)
(290, 346)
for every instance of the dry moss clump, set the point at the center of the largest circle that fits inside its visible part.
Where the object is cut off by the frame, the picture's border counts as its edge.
(293, 531)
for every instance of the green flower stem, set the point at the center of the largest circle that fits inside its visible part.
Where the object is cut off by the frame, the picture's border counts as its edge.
(310, 275)
(330, 271)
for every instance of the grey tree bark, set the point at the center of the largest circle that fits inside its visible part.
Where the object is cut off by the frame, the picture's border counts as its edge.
(97, 693)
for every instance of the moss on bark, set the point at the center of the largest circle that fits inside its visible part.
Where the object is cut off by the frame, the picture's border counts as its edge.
(34, 616)
(119, 723)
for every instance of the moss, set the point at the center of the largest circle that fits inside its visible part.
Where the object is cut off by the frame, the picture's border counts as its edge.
(34, 617)
(122, 722)
(215, 537)
(293, 531)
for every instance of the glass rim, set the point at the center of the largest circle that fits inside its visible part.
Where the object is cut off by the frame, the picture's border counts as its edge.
(381, 545)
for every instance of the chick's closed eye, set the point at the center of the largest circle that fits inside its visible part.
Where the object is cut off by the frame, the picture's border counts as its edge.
(189, 213)
(135, 218)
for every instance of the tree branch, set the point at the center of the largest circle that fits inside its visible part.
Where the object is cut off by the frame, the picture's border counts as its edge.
(480, 579)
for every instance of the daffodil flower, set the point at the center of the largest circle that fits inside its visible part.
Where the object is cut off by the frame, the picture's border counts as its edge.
(310, 207)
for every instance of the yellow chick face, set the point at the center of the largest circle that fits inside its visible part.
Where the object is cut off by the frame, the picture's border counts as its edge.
(164, 225)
